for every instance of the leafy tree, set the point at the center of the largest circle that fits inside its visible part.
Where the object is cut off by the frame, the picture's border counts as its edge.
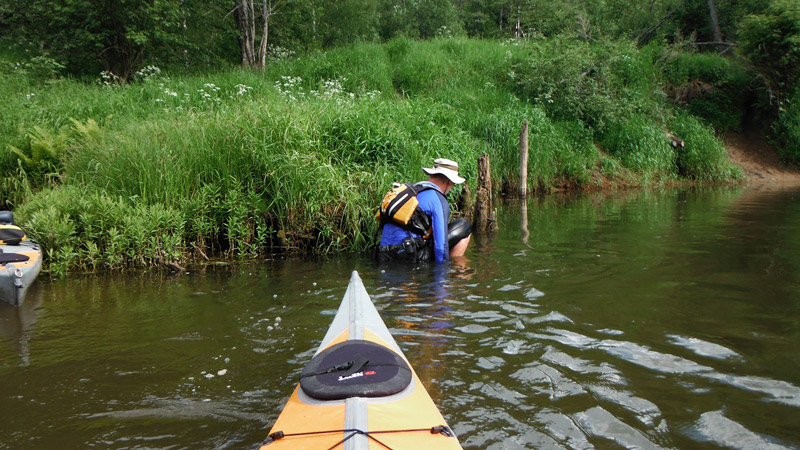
(88, 36)
(418, 18)
(395, 19)
(771, 41)
(433, 17)
(346, 21)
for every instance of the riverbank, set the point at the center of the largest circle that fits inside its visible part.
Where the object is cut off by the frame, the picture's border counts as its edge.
(758, 160)
(237, 163)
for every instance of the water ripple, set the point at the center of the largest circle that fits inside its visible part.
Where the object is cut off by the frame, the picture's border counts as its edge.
(563, 429)
(646, 411)
(578, 365)
(714, 427)
(518, 308)
(703, 348)
(780, 391)
(548, 380)
(601, 423)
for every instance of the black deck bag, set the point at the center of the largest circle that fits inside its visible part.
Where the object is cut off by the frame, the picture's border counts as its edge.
(355, 368)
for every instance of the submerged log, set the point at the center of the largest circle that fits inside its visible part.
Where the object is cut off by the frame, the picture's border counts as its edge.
(171, 265)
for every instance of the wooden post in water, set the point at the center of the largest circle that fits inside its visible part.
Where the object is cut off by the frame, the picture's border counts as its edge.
(523, 181)
(484, 213)
(524, 234)
(523, 160)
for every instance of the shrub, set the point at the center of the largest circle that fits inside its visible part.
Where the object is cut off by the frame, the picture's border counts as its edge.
(703, 157)
(714, 87)
(596, 83)
(297, 157)
(787, 129)
(80, 229)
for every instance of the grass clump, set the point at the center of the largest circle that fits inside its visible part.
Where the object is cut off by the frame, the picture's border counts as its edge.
(703, 157)
(640, 145)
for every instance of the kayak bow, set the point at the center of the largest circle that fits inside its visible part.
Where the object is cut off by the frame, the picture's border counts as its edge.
(359, 392)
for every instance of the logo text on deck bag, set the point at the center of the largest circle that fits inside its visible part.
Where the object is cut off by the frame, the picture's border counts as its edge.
(356, 375)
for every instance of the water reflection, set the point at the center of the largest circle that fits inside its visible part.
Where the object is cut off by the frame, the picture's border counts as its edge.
(17, 323)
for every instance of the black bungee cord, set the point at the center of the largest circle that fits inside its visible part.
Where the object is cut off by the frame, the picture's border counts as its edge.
(444, 430)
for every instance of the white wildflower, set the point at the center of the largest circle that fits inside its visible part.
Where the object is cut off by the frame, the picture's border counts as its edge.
(242, 89)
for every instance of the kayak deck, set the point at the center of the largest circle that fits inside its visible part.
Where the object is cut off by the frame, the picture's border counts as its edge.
(407, 419)
(19, 267)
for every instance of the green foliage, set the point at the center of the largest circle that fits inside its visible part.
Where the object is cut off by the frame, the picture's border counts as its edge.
(14, 188)
(85, 230)
(558, 150)
(78, 34)
(347, 21)
(719, 89)
(424, 19)
(297, 157)
(41, 67)
(772, 42)
(787, 129)
(44, 151)
(593, 83)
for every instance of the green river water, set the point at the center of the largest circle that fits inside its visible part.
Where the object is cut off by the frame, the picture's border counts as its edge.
(637, 320)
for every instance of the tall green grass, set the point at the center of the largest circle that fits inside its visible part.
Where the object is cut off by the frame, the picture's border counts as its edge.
(298, 157)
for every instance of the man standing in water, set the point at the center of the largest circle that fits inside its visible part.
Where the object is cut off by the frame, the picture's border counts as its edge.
(442, 239)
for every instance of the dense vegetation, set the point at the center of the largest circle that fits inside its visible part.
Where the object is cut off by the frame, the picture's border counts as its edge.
(144, 164)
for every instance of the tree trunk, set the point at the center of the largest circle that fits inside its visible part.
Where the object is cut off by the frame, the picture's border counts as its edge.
(715, 30)
(266, 12)
(245, 14)
(246, 21)
(500, 21)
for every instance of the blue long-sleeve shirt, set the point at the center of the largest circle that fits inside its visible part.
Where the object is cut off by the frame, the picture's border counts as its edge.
(434, 204)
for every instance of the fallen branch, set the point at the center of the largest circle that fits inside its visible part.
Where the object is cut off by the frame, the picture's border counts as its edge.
(199, 250)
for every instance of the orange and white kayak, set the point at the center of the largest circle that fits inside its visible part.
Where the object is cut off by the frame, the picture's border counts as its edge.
(19, 266)
(359, 391)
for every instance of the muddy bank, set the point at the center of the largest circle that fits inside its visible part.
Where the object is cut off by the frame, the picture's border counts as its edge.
(759, 161)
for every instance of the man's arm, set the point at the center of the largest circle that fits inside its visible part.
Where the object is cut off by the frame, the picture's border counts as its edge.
(430, 203)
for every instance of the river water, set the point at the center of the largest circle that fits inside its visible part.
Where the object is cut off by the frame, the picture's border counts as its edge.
(636, 320)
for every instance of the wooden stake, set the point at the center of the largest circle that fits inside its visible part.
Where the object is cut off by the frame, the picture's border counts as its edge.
(484, 213)
(523, 225)
(523, 160)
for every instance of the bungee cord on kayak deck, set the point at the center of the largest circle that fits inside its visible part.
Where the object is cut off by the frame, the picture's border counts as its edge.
(444, 430)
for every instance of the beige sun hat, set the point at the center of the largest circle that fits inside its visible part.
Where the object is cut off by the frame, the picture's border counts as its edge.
(446, 167)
